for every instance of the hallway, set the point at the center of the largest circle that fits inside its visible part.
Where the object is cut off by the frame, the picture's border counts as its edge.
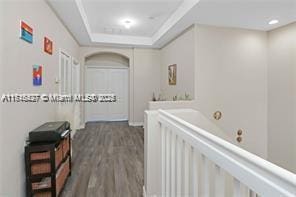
(166, 98)
(108, 160)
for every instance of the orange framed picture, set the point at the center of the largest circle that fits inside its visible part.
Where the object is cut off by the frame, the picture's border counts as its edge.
(48, 48)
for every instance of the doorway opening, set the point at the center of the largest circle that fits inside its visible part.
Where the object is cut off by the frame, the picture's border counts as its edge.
(107, 73)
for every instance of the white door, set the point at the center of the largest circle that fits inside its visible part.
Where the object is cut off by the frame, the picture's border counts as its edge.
(76, 91)
(65, 73)
(106, 81)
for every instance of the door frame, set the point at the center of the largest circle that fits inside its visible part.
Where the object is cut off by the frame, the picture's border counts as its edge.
(60, 77)
(77, 84)
(108, 67)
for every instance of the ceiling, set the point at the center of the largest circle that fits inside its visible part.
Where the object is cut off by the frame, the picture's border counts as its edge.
(156, 22)
(148, 16)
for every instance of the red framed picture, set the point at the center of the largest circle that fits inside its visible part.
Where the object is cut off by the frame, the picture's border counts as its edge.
(48, 45)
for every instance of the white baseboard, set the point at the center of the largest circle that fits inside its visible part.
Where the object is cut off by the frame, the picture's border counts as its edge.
(136, 124)
(144, 191)
(145, 194)
(82, 126)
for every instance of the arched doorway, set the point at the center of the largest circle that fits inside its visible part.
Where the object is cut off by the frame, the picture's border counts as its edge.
(107, 73)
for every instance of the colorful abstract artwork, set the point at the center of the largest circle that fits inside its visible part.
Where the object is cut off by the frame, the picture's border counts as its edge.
(172, 74)
(47, 45)
(26, 32)
(37, 75)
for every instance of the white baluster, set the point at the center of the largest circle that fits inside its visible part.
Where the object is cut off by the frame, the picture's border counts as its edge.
(182, 166)
(205, 178)
(219, 182)
(173, 163)
(236, 188)
(163, 157)
(252, 193)
(195, 172)
(168, 162)
(244, 191)
(179, 158)
(186, 169)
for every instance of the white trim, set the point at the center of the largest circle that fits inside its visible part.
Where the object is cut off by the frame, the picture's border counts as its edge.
(82, 126)
(261, 176)
(102, 38)
(144, 192)
(84, 17)
(120, 39)
(136, 124)
(106, 67)
(184, 8)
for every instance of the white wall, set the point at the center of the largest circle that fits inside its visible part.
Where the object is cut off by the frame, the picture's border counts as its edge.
(107, 59)
(16, 76)
(146, 80)
(231, 76)
(1, 91)
(181, 52)
(282, 97)
(144, 76)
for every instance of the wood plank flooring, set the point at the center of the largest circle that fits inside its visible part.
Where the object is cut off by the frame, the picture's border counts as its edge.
(107, 161)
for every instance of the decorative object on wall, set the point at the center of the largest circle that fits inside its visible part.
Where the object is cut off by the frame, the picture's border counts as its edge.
(217, 115)
(37, 75)
(48, 45)
(26, 32)
(175, 98)
(172, 74)
(239, 138)
(187, 97)
(153, 97)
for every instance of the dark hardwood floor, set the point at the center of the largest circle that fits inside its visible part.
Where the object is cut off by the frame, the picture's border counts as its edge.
(107, 161)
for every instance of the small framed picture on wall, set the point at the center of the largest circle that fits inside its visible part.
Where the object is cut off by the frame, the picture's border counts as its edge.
(37, 75)
(48, 45)
(172, 75)
(26, 32)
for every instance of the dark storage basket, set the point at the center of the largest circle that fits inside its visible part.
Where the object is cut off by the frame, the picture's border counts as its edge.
(42, 168)
(47, 167)
(45, 183)
(66, 146)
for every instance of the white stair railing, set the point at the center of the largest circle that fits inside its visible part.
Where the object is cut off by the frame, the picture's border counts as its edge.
(197, 163)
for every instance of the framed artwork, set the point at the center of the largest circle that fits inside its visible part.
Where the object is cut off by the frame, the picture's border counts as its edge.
(26, 32)
(37, 75)
(47, 45)
(172, 74)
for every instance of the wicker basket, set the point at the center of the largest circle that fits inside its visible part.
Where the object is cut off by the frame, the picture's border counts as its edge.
(42, 168)
(62, 175)
(43, 194)
(66, 146)
(59, 155)
(40, 156)
(44, 183)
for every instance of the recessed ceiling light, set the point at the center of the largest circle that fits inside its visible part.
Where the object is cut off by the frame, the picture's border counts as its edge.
(273, 22)
(127, 23)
